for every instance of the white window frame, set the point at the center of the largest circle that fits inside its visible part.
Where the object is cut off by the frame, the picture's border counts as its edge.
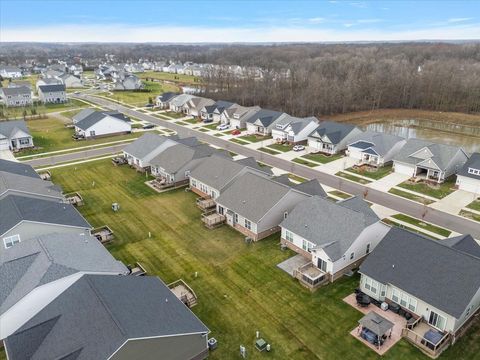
(10, 240)
(395, 296)
(288, 236)
(248, 224)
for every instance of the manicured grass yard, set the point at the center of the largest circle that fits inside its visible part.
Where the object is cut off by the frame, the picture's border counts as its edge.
(352, 178)
(238, 141)
(340, 194)
(267, 150)
(173, 114)
(254, 138)
(3, 356)
(372, 173)
(211, 126)
(301, 161)
(475, 205)
(141, 97)
(470, 215)
(438, 192)
(322, 158)
(410, 196)
(297, 178)
(50, 134)
(186, 79)
(423, 225)
(239, 287)
(281, 147)
(192, 121)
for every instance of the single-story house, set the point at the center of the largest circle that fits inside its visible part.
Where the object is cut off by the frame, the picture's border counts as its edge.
(434, 280)
(18, 168)
(163, 101)
(468, 177)
(48, 81)
(16, 96)
(236, 116)
(217, 172)
(11, 183)
(255, 205)
(194, 106)
(103, 123)
(292, 129)
(335, 237)
(213, 112)
(140, 152)
(174, 164)
(25, 217)
(178, 102)
(34, 273)
(52, 94)
(71, 81)
(263, 121)
(435, 162)
(112, 317)
(82, 114)
(374, 148)
(14, 135)
(332, 137)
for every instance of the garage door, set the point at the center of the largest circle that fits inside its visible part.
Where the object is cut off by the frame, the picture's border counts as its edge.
(4, 144)
(468, 184)
(404, 169)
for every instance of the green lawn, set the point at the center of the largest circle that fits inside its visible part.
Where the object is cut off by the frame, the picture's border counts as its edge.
(50, 134)
(437, 191)
(475, 205)
(340, 194)
(172, 114)
(267, 150)
(410, 196)
(211, 126)
(412, 229)
(15, 112)
(297, 178)
(238, 141)
(3, 356)
(373, 173)
(299, 160)
(352, 178)
(322, 158)
(192, 121)
(253, 138)
(281, 147)
(140, 98)
(240, 290)
(470, 215)
(423, 225)
(184, 79)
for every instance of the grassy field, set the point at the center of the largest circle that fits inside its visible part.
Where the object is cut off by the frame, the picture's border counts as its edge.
(139, 98)
(182, 79)
(439, 191)
(410, 196)
(15, 112)
(475, 205)
(321, 158)
(239, 287)
(376, 174)
(50, 134)
(423, 225)
(281, 147)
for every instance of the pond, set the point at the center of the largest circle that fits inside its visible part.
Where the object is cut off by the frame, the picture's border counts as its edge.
(468, 137)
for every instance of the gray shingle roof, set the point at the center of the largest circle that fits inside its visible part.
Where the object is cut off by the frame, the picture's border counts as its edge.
(474, 163)
(26, 184)
(465, 243)
(167, 96)
(15, 208)
(334, 131)
(252, 196)
(8, 128)
(265, 116)
(311, 187)
(48, 258)
(82, 114)
(52, 88)
(14, 167)
(442, 154)
(381, 143)
(144, 145)
(297, 124)
(18, 90)
(440, 275)
(177, 156)
(218, 171)
(96, 116)
(98, 314)
(331, 226)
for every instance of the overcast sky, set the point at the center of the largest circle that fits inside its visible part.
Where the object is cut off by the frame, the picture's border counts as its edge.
(237, 21)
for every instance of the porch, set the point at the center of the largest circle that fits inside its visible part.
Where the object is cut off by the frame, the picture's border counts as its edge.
(206, 203)
(370, 160)
(321, 147)
(310, 276)
(427, 338)
(429, 175)
(212, 219)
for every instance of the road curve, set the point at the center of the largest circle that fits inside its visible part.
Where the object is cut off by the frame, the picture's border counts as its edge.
(438, 217)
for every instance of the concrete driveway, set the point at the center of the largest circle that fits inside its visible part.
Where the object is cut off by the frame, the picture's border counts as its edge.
(389, 181)
(7, 155)
(338, 165)
(454, 202)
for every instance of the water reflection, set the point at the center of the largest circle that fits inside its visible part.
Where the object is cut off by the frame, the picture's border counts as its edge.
(467, 137)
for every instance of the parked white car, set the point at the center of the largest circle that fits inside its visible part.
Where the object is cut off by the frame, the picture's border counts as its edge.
(298, 148)
(223, 127)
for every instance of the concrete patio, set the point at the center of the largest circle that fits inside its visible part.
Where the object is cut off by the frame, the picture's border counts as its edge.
(293, 263)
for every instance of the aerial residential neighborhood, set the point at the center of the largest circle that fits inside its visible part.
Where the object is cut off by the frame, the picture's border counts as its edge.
(183, 181)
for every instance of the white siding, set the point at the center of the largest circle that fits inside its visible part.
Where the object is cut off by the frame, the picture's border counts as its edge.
(108, 125)
(405, 169)
(468, 184)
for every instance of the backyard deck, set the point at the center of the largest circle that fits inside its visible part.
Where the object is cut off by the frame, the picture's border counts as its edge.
(104, 234)
(184, 293)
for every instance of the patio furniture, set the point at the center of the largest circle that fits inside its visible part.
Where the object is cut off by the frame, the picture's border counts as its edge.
(260, 344)
(432, 338)
(375, 328)
(363, 300)
(394, 307)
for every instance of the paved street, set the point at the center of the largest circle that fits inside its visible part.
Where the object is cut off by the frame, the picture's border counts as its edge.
(435, 216)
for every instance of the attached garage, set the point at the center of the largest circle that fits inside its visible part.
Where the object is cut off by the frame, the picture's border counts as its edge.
(4, 144)
(468, 184)
(405, 169)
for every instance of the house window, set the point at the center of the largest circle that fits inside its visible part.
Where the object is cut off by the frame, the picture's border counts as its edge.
(352, 255)
(307, 246)
(395, 296)
(368, 283)
(194, 183)
(235, 218)
(24, 141)
(92, 133)
(11, 240)
(221, 210)
(368, 249)
(468, 311)
(412, 304)
(473, 171)
(383, 291)
(288, 236)
(404, 300)
(248, 224)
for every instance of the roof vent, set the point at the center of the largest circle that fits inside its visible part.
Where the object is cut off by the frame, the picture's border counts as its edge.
(166, 300)
(243, 201)
(393, 266)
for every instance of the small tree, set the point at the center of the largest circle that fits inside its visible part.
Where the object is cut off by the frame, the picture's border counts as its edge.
(150, 100)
